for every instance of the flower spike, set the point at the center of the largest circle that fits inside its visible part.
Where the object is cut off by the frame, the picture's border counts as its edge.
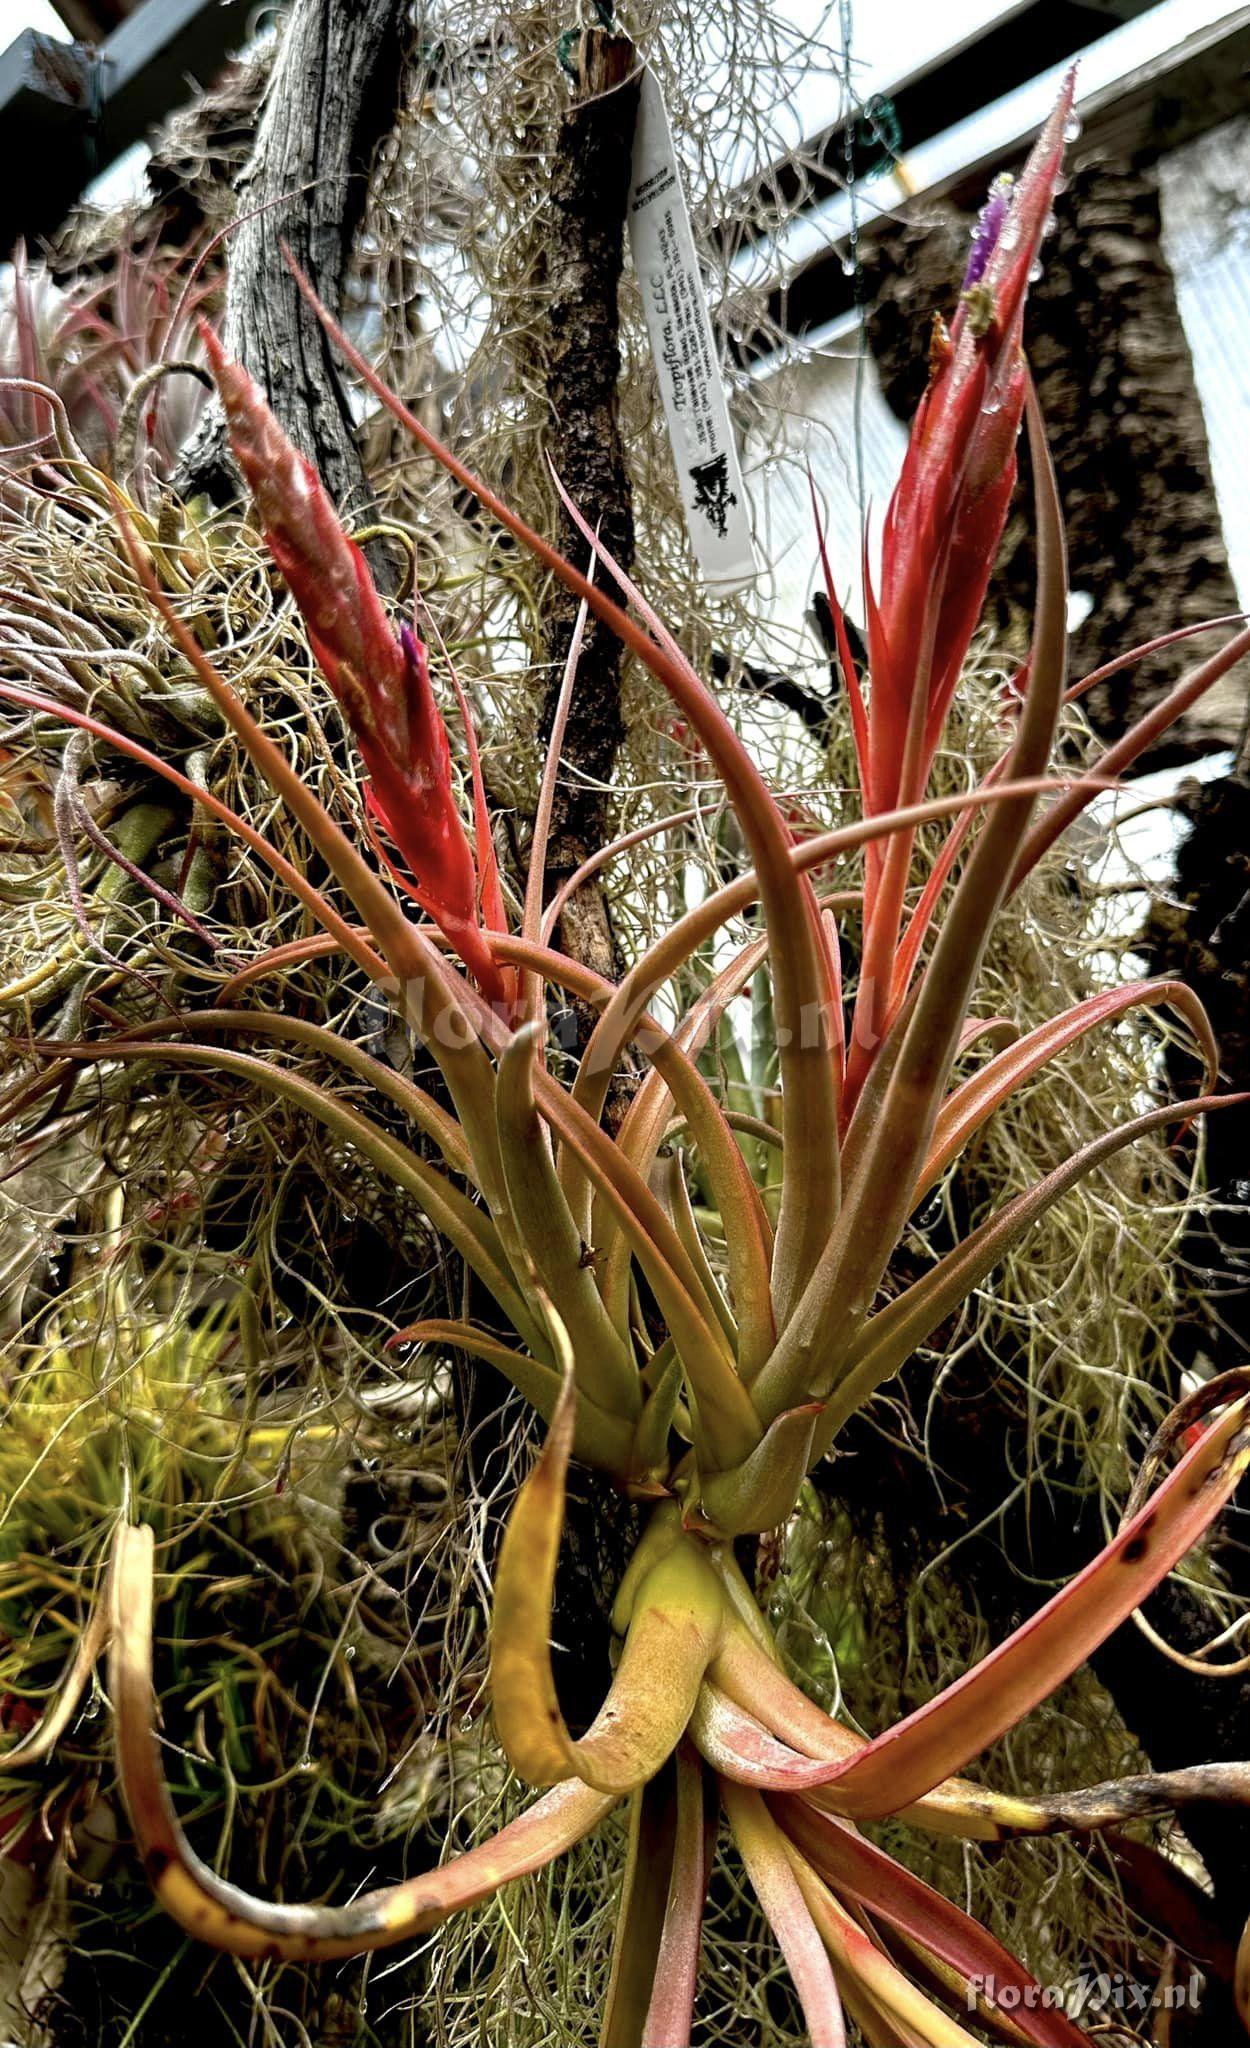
(381, 681)
(942, 531)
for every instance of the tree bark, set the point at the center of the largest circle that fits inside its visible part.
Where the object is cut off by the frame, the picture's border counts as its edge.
(1115, 380)
(586, 216)
(1201, 932)
(585, 246)
(331, 99)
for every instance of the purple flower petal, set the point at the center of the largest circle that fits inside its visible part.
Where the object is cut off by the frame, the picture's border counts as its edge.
(988, 229)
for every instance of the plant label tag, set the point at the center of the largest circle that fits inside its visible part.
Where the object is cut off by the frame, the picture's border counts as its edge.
(717, 513)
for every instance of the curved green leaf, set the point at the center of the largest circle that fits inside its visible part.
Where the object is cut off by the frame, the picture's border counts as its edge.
(448, 1208)
(227, 1918)
(598, 1438)
(672, 1634)
(748, 1234)
(971, 1104)
(603, 1366)
(760, 1493)
(908, 1760)
(890, 1337)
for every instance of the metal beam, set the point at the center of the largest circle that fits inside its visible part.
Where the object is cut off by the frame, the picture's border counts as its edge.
(97, 101)
(1017, 40)
(1142, 90)
(90, 21)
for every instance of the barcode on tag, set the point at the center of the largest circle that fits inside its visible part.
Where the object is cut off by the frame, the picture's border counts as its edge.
(682, 343)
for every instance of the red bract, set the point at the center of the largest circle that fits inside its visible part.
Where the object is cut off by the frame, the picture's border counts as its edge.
(381, 681)
(942, 531)
(947, 514)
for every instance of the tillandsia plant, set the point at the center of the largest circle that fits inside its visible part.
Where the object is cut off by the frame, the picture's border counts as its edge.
(121, 351)
(706, 1378)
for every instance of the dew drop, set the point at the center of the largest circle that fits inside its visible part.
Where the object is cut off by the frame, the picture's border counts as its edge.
(1049, 225)
(1060, 184)
(1072, 128)
(1035, 271)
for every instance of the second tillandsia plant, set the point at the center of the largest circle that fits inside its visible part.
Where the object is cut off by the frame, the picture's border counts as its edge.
(710, 1399)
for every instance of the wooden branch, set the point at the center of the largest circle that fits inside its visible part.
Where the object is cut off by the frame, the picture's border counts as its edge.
(589, 193)
(585, 230)
(331, 99)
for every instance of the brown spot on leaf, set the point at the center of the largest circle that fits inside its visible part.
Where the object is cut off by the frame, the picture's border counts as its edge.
(1137, 1547)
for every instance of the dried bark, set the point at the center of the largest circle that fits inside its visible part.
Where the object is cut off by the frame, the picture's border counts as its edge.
(584, 252)
(1126, 430)
(586, 216)
(331, 99)
(1201, 932)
